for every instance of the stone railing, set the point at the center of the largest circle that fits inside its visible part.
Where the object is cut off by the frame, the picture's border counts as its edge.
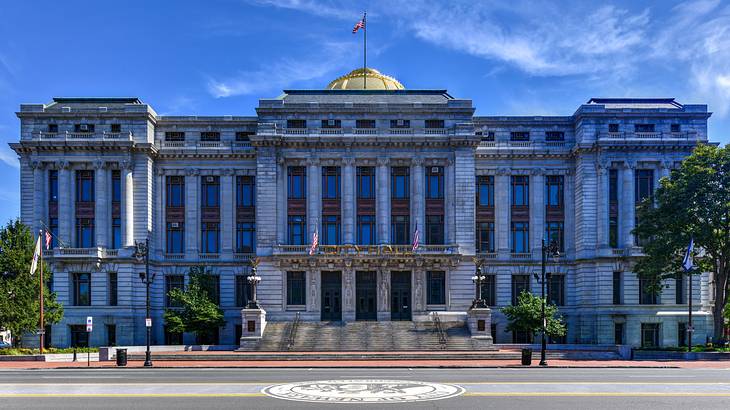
(207, 145)
(174, 256)
(365, 131)
(520, 255)
(82, 136)
(80, 253)
(208, 256)
(369, 249)
(487, 255)
(689, 135)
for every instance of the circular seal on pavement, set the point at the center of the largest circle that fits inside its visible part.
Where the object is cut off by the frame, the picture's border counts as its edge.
(363, 391)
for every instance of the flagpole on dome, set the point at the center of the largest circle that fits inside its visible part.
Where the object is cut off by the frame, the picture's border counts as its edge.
(365, 50)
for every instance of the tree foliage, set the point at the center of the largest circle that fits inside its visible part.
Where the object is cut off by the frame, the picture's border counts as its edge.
(693, 202)
(19, 291)
(526, 316)
(197, 313)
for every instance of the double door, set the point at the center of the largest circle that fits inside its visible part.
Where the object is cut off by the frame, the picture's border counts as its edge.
(400, 296)
(366, 296)
(331, 290)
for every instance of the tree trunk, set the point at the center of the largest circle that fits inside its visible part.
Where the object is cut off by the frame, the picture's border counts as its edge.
(721, 297)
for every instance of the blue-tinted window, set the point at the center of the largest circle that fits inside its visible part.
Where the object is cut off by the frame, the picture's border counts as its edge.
(554, 233)
(211, 191)
(53, 186)
(520, 190)
(554, 190)
(435, 182)
(175, 238)
(400, 183)
(297, 230)
(85, 233)
(245, 237)
(365, 182)
(436, 288)
(485, 237)
(520, 237)
(331, 230)
(399, 230)
(116, 233)
(175, 191)
(82, 289)
(485, 190)
(330, 182)
(245, 191)
(366, 230)
(84, 186)
(210, 237)
(296, 186)
(116, 186)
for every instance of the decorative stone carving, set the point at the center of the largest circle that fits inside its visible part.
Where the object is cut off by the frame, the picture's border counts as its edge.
(348, 289)
(419, 290)
(161, 171)
(192, 171)
(537, 171)
(99, 164)
(503, 171)
(383, 161)
(348, 161)
(62, 164)
(417, 161)
(384, 290)
(227, 171)
(36, 165)
(313, 291)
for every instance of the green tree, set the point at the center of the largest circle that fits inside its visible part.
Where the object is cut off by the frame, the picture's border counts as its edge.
(526, 316)
(693, 202)
(197, 312)
(19, 304)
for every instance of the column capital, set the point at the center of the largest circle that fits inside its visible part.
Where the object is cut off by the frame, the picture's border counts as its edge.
(627, 164)
(126, 165)
(503, 171)
(537, 171)
(62, 164)
(192, 171)
(99, 164)
(417, 161)
(312, 161)
(383, 161)
(227, 172)
(37, 165)
(348, 161)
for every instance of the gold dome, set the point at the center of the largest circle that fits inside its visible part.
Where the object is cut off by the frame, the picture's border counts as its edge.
(355, 80)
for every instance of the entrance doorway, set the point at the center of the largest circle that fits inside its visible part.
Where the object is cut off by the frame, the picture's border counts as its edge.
(366, 296)
(331, 296)
(400, 296)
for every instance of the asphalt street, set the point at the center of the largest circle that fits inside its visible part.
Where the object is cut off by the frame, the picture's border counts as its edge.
(544, 388)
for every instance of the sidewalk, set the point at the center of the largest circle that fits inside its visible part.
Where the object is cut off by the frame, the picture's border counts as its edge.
(373, 364)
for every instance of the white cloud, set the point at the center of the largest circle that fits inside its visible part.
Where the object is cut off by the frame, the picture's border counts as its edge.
(9, 158)
(283, 73)
(334, 9)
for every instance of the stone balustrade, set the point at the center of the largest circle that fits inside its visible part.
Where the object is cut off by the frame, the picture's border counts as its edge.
(374, 250)
(82, 136)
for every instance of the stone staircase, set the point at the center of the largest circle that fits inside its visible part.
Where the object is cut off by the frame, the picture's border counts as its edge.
(363, 336)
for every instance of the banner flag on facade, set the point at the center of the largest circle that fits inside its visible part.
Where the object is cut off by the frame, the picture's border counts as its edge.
(688, 262)
(315, 242)
(36, 255)
(416, 238)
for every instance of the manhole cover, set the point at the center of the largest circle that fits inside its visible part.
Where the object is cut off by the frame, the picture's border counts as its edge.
(363, 391)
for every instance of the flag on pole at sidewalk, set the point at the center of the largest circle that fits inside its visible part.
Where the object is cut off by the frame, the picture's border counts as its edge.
(36, 255)
(688, 262)
(359, 25)
(416, 238)
(315, 242)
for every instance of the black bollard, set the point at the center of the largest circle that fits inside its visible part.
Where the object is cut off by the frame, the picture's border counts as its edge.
(74, 353)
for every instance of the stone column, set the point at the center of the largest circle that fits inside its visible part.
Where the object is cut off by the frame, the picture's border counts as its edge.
(418, 201)
(348, 200)
(228, 220)
(382, 209)
(569, 181)
(192, 212)
(39, 197)
(628, 204)
(537, 211)
(281, 201)
(419, 289)
(383, 297)
(127, 205)
(160, 222)
(665, 169)
(314, 302)
(314, 198)
(502, 204)
(602, 185)
(65, 197)
(102, 204)
(348, 292)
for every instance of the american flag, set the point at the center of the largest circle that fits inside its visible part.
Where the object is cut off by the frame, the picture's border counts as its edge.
(360, 25)
(416, 235)
(315, 242)
(49, 238)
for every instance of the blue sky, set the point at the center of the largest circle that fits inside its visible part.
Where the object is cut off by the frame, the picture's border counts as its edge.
(220, 56)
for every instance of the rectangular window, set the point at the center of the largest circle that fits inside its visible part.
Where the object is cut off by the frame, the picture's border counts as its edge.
(366, 230)
(296, 123)
(618, 333)
(400, 123)
(116, 233)
(212, 286)
(399, 227)
(175, 191)
(245, 191)
(436, 292)
(82, 289)
(175, 238)
(297, 185)
(365, 182)
(331, 124)
(243, 290)
(331, 230)
(520, 239)
(646, 296)
(644, 184)
(116, 186)
(613, 208)
(174, 136)
(173, 282)
(485, 190)
(679, 294)
(554, 232)
(675, 128)
(111, 335)
(244, 136)
(245, 237)
(434, 123)
(400, 182)
(485, 237)
(364, 123)
(519, 136)
(210, 136)
(296, 289)
(434, 182)
(520, 283)
(650, 334)
(681, 334)
(330, 182)
(52, 128)
(297, 228)
(435, 229)
(617, 288)
(112, 288)
(79, 336)
(520, 190)
(554, 191)
(486, 136)
(85, 233)
(84, 186)
(489, 290)
(53, 186)
(84, 128)
(556, 290)
(612, 127)
(555, 136)
(643, 127)
(115, 128)
(210, 191)
(210, 237)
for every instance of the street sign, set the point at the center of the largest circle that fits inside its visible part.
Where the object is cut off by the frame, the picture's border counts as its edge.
(148, 322)
(89, 323)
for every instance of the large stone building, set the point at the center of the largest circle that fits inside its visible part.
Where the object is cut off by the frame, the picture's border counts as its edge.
(365, 169)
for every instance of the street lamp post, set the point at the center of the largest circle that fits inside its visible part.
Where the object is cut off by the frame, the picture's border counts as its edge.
(142, 253)
(554, 251)
(478, 279)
